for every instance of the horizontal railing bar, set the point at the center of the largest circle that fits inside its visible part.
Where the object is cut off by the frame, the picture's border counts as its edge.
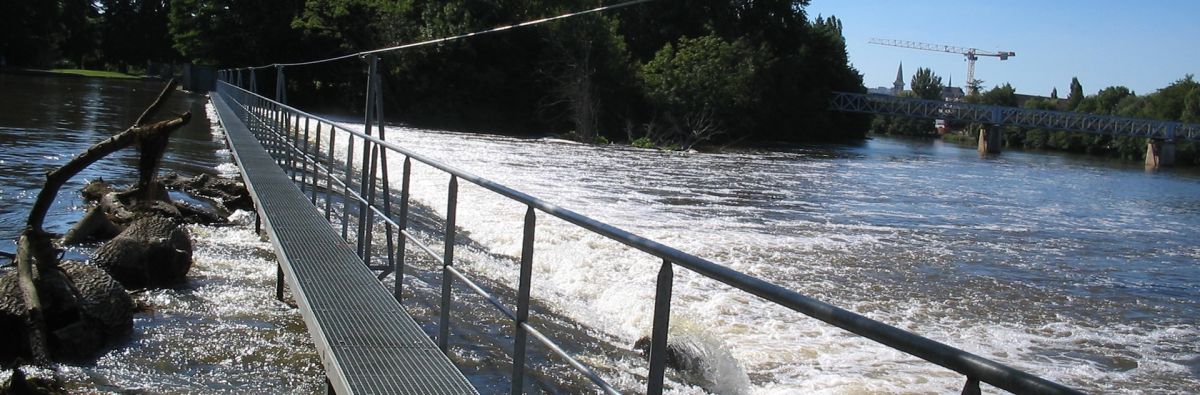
(570, 360)
(478, 290)
(437, 258)
(311, 159)
(941, 354)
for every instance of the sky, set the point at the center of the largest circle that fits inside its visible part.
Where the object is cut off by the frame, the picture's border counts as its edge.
(1143, 45)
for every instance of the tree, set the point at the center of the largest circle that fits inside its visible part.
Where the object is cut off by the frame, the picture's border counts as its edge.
(926, 85)
(704, 86)
(1076, 94)
(1054, 93)
(1191, 107)
(29, 32)
(1003, 95)
(1107, 99)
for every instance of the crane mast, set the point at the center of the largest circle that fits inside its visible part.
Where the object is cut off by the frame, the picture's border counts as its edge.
(971, 54)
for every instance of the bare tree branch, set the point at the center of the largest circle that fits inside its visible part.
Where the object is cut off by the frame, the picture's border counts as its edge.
(162, 97)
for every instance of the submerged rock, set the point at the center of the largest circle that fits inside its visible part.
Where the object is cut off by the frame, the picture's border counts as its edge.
(85, 309)
(152, 252)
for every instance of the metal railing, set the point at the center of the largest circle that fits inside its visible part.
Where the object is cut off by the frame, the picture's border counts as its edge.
(1014, 116)
(295, 139)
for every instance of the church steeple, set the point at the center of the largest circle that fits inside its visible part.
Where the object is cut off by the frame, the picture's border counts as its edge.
(898, 86)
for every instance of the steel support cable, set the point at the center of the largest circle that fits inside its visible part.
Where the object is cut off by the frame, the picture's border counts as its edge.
(452, 38)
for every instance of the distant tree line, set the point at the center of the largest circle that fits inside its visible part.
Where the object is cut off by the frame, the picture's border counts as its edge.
(95, 34)
(665, 73)
(1179, 101)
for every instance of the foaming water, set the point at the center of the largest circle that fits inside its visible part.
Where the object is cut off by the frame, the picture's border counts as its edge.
(1078, 270)
(222, 331)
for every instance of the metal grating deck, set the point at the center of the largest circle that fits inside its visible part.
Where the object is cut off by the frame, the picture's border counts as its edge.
(367, 342)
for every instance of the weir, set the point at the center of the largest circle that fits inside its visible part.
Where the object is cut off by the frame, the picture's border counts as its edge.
(295, 150)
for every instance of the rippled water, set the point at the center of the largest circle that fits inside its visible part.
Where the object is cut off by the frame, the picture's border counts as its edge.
(222, 332)
(1079, 270)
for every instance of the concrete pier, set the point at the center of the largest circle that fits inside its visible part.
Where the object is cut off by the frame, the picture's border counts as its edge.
(1159, 153)
(990, 139)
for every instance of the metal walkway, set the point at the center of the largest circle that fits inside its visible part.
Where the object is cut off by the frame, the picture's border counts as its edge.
(368, 344)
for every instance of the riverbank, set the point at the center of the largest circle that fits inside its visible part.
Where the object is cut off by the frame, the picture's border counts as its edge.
(74, 73)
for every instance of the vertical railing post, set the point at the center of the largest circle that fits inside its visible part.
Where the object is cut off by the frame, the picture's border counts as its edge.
(971, 387)
(658, 339)
(519, 337)
(316, 154)
(403, 225)
(386, 180)
(253, 80)
(280, 85)
(279, 282)
(349, 175)
(367, 159)
(304, 157)
(329, 175)
(447, 261)
(239, 78)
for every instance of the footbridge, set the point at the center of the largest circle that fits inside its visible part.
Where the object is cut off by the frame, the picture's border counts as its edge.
(339, 218)
(1161, 134)
(310, 176)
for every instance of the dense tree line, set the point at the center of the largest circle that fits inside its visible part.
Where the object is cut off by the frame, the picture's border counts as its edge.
(99, 34)
(672, 73)
(925, 85)
(1179, 101)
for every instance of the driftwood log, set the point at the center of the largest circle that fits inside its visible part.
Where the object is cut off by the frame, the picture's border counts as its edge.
(39, 271)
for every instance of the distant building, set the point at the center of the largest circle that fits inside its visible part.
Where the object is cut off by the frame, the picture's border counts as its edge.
(951, 92)
(883, 90)
(898, 86)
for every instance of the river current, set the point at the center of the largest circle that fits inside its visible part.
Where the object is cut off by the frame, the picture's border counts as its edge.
(1079, 270)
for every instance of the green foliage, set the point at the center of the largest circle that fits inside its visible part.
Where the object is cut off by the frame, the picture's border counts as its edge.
(1076, 94)
(903, 126)
(27, 37)
(1003, 95)
(926, 85)
(705, 74)
(642, 142)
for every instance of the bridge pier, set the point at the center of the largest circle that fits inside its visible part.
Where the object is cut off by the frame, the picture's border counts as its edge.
(1159, 153)
(990, 139)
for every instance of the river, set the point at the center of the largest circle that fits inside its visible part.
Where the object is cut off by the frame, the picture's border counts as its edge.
(1076, 269)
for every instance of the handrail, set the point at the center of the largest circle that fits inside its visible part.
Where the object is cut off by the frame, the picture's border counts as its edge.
(976, 368)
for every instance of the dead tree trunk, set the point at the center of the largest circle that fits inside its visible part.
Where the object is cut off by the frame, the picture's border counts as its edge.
(36, 253)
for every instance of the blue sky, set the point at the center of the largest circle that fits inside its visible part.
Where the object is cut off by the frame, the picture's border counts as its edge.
(1143, 45)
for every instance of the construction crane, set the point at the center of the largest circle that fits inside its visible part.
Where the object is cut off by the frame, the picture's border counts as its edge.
(972, 55)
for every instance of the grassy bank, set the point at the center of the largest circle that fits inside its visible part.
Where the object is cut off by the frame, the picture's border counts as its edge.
(93, 73)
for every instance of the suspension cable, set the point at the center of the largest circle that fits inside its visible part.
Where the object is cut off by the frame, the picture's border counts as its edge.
(453, 38)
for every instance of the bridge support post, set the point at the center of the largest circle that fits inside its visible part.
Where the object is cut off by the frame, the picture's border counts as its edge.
(1159, 153)
(990, 139)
